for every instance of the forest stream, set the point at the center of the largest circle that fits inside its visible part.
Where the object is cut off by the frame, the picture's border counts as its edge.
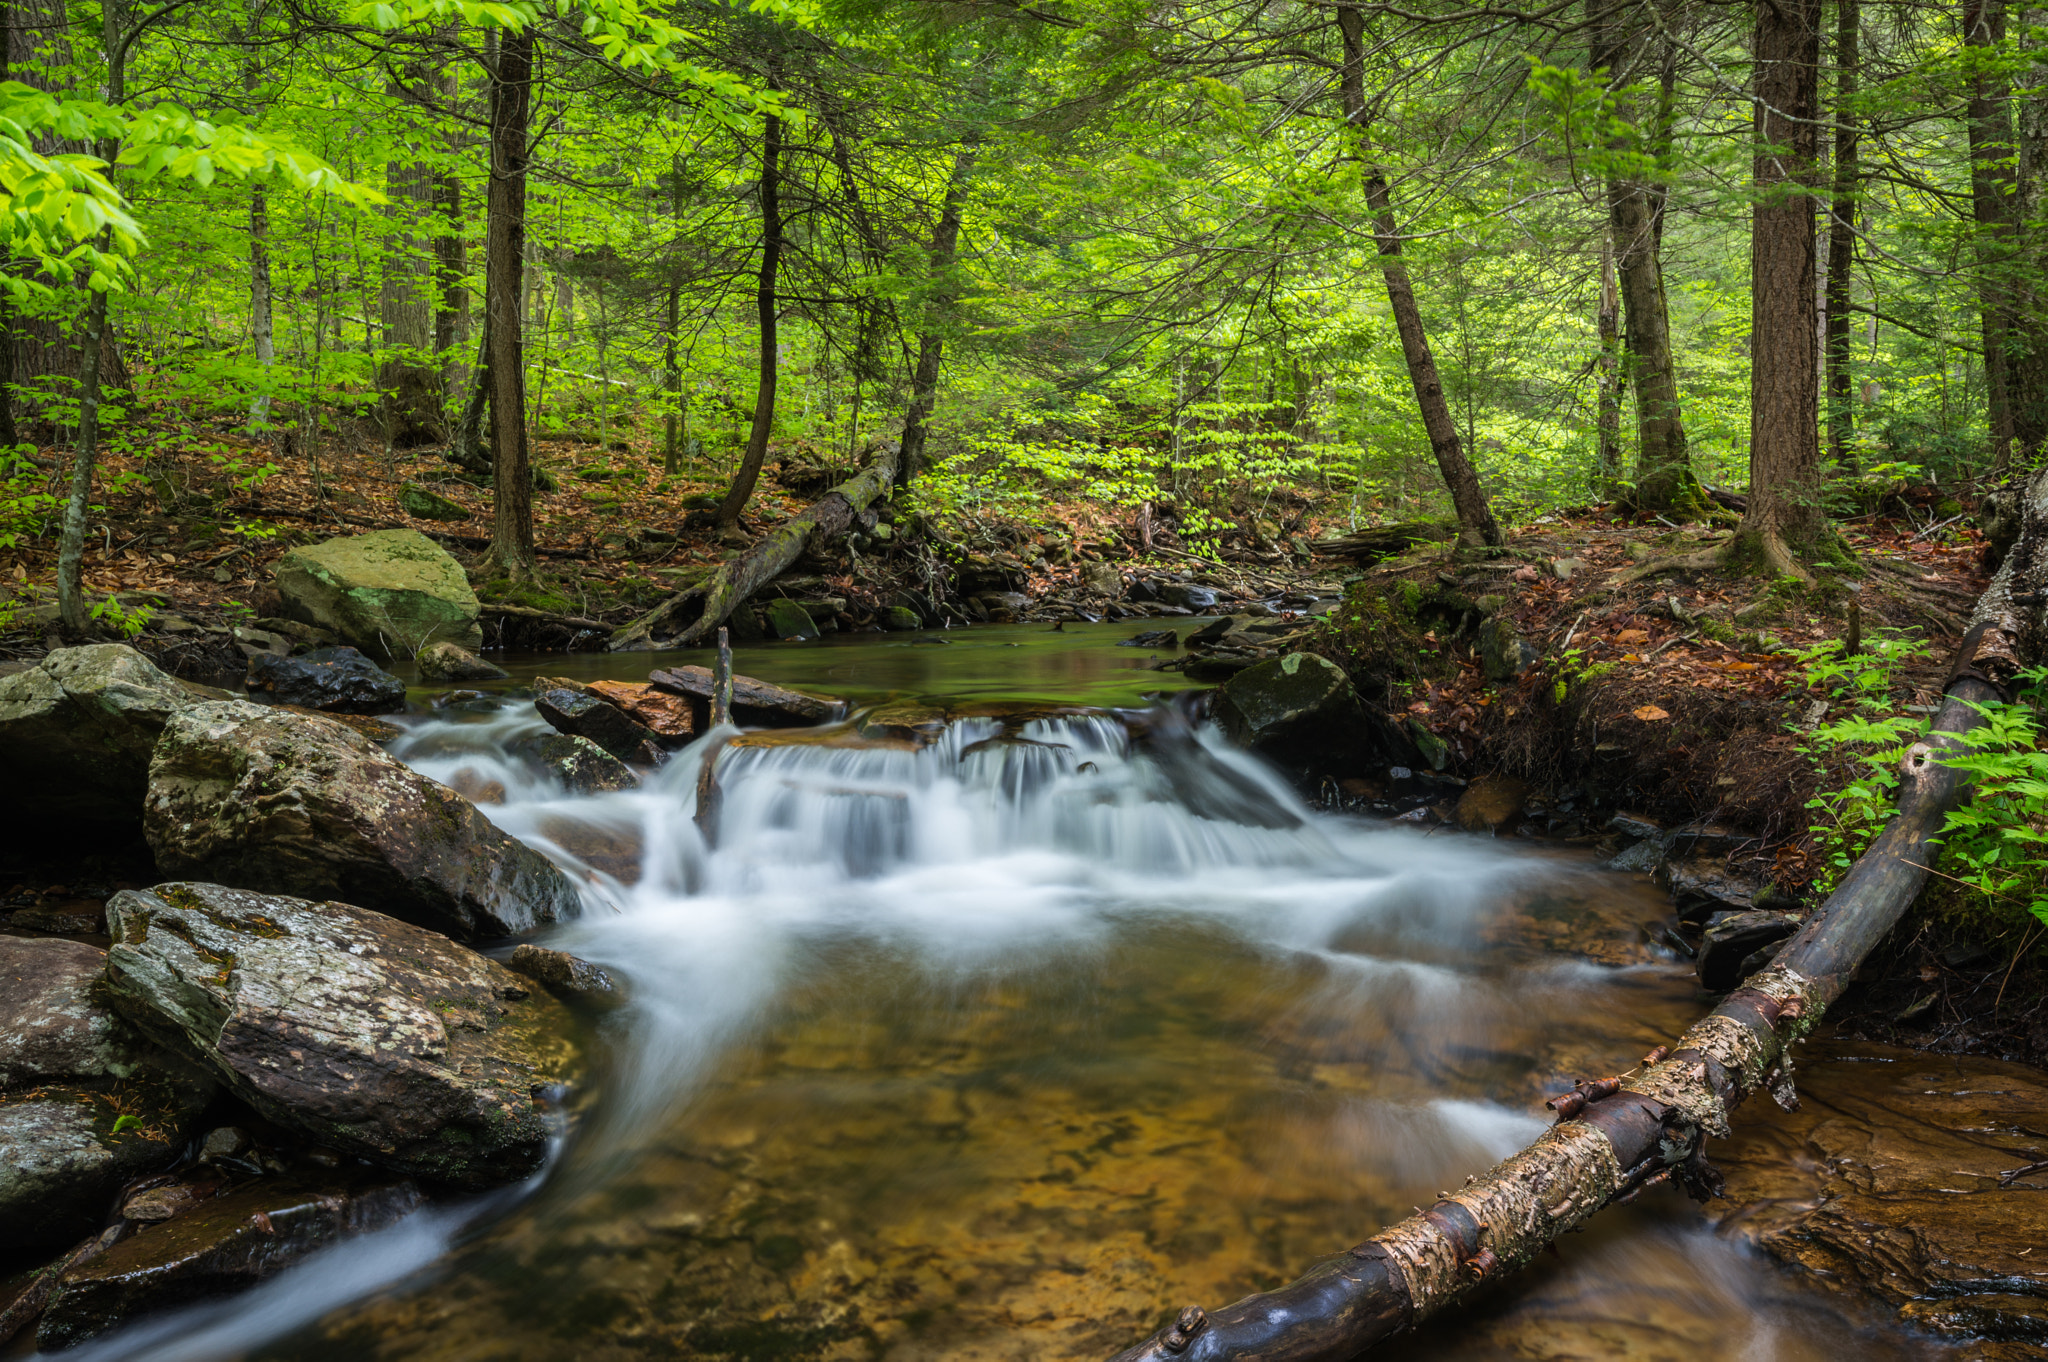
(1009, 1045)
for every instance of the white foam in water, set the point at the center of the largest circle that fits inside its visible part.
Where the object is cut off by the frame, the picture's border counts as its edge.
(982, 852)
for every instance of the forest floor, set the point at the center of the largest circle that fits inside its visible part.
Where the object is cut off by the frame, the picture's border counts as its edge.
(1667, 690)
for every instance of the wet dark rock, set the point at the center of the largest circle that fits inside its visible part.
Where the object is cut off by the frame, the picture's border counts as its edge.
(368, 1035)
(1187, 595)
(1503, 653)
(1886, 1182)
(786, 619)
(1701, 885)
(217, 1248)
(1300, 712)
(670, 718)
(1729, 948)
(76, 733)
(573, 980)
(340, 680)
(579, 764)
(898, 619)
(584, 714)
(1491, 803)
(446, 661)
(68, 917)
(754, 702)
(86, 1103)
(251, 796)
(1151, 638)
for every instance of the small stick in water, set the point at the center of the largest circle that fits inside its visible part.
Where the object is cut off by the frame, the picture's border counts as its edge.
(721, 681)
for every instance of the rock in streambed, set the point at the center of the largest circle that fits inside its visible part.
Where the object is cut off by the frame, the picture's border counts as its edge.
(76, 733)
(368, 1035)
(300, 804)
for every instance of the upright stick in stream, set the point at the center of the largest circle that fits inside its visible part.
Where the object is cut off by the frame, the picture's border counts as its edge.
(721, 682)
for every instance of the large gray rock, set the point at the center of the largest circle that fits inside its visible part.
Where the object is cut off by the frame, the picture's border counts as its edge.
(76, 733)
(337, 680)
(302, 804)
(390, 593)
(86, 1104)
(1299, 712)
(366, 1034)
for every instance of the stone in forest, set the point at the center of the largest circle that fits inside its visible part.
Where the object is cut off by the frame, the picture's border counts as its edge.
(896, 619)
(301, 804)
(1298, 711)
(668, 716)
(754, 702)
(340, 680)
(583, 713)
(418, 501)
(76, 733)
(390, 592)
(1187, 595)
(221, 1245)
(367, 1035)
(1102, 579)
(574, 980)
(579, 764)
(788, 620)
(86, 1103)
(1729, 950)
(1503, 653)
(1491, 803)
(1701, 885)
(1151, 638)
(446, 661)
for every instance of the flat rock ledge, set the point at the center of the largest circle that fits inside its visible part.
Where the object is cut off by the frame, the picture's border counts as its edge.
(365, 1034)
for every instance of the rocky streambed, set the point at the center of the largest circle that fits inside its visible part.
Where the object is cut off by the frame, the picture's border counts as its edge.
(962, 1029)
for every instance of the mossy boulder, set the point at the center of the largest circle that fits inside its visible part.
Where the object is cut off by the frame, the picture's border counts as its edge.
(390, 592)
(296, 803)
(368, 1035)
(1301, 713)
(416, 500)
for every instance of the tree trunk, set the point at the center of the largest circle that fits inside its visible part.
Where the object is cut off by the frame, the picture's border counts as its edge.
(1475, 517)
(1842, 234)
(72, 610)
(451, 268)
(2027, 337)
(409, 375)
(1785, 523)
(674, 425)
(689, 616)
(1989, 127)
(931, 343)
(1607, 371)
(764, 301)
(467, 449)
(512, 81)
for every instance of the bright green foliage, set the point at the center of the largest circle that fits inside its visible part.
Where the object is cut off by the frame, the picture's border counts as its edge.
(1997, 843)
(1865, 725)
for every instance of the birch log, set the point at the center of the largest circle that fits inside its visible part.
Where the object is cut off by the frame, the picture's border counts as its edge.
(692, 614)
(1616, 1136)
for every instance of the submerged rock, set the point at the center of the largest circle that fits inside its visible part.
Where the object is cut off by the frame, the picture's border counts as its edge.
(338, 679)
(216, 1248)
(368, 1035)
(265, 800)
(445, 661)
(1298, 711)
(573, 980)
(391, 592)
(1491, 803)
(86, 1104)
(76, 733)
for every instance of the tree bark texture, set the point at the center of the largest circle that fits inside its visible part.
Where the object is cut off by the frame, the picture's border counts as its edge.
(1475, 517)
(742, 489)
(262, 332)
(1842, 233)
(1785, 521)
(1635, 207)
(512, 81)
(1607, 371)
(1989, 126)
(408, 375)
(2027, 337)
(689, 616)
(931, 341)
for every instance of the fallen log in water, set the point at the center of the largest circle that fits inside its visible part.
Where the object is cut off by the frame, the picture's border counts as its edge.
(691, 614)
(1617, 1136)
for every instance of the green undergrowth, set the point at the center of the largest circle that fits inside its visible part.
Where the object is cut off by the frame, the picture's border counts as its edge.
(1993, 871)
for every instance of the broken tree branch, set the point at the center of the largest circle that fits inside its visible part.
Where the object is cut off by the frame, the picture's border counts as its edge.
(1615, 1137)
(691, 614)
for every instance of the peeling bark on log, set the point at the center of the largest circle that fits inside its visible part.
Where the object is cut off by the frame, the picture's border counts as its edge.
(1615, 1137)
(692, 614)
(1386, 541)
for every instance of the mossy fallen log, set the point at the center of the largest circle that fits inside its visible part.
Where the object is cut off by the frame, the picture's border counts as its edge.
(1617, 1136)
(1384, 541)
(690, 615)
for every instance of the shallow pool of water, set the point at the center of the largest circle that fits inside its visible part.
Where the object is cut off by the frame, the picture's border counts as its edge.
(1009, 1047)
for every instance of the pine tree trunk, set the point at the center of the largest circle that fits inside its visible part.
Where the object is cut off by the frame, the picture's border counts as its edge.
(742, 489)
(513, 76)
(1476, 525)
(931, 344)
(1842, 235)
(1989, 127)
(1785, 522)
